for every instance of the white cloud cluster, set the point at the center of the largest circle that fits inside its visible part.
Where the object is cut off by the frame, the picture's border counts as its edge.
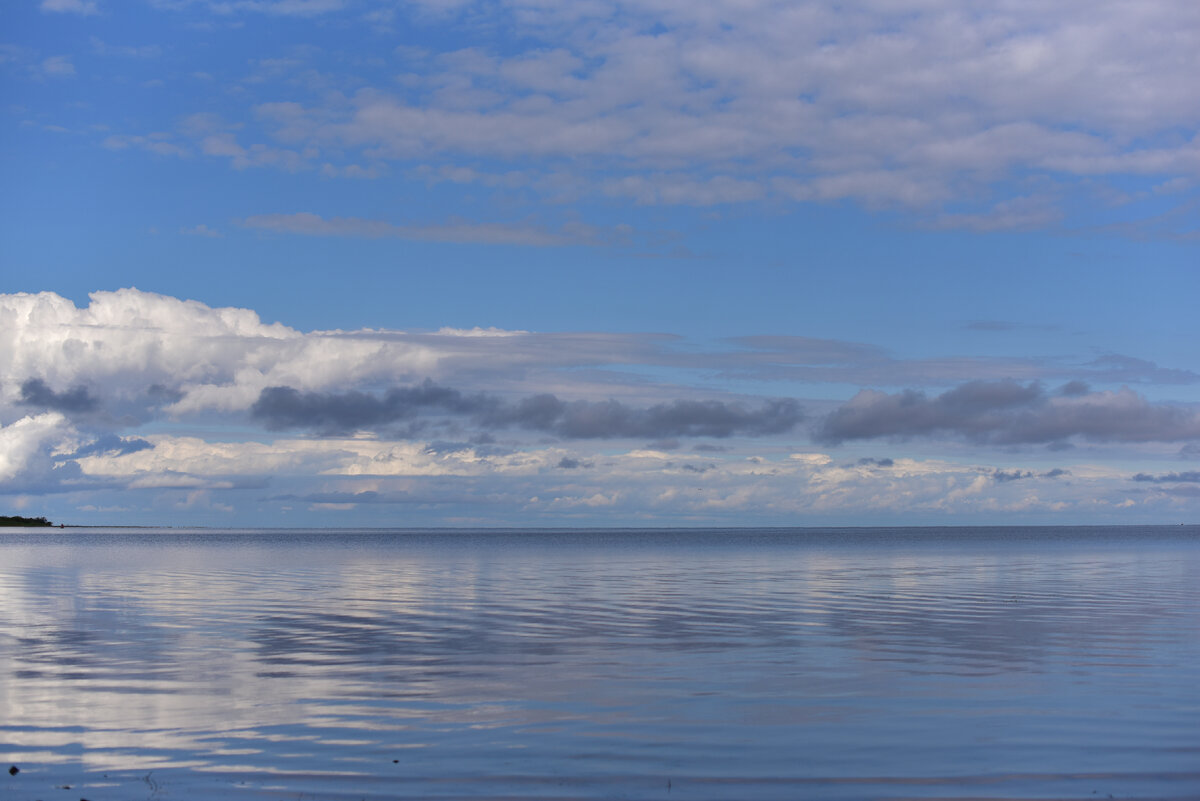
(25, 444)
(128, 343)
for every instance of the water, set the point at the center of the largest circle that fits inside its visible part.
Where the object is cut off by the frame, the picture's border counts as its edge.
(736, 664)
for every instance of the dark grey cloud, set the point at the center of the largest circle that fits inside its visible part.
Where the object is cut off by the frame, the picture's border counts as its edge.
(1008, 413)
(329, 413)
(281, 408)
(1003, 476)
(162, 395)
(36, 392)
(570, 463)
(1190, 477)
(612, 419)
(866, 460)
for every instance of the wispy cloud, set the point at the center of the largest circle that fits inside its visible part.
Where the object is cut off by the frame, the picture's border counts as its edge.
(83, 7)
(58, 67)
(202, 230)
(454, 230)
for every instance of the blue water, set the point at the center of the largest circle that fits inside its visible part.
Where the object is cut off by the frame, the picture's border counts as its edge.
(994, 663)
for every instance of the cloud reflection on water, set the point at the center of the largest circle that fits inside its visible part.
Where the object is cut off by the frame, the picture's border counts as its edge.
(276, 653)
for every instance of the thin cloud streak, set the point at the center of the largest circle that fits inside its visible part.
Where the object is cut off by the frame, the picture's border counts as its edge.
(455, 231)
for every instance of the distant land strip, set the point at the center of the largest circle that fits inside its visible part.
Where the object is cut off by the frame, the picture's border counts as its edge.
(6, 520)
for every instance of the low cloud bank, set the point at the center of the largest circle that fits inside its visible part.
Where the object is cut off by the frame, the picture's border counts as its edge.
(281, 408)
(1190, 477)
(1009, 413)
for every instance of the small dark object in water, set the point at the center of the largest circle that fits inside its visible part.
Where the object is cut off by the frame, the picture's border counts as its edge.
(395, 761)
(14, 770)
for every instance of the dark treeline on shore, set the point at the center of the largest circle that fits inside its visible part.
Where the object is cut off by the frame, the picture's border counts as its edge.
(24, 521)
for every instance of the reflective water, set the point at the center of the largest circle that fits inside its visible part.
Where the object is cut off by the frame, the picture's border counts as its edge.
(738, 664)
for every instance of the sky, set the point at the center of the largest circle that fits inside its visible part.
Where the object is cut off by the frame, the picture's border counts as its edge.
(600, 262)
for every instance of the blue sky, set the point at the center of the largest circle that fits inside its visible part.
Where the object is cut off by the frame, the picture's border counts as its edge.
(340, 262)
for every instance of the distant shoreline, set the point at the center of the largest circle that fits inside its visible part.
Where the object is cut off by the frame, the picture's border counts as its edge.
(32, 522)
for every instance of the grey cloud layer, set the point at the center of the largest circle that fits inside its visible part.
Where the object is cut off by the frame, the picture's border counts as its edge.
(284, 407)
(1006, 413)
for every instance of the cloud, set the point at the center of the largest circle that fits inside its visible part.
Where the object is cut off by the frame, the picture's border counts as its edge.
(58, 67)
(82, 7)
(202, 230)
(102, 48)
(282, 8)
(284, 408)
(1015, 214)
(1191, 476)
(455, 230)
(1011, 475)
(886, 462)
(111, 445)
(980, 119)
(281, 408)
(679, 418)
(1007, 412)
(160, 144)
(533, 426)
(35, 392)
(301, 8)
(149, 355)
(1115, 367)
(25, 447)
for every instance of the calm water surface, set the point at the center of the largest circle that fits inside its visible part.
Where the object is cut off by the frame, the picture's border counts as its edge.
(738, 664)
